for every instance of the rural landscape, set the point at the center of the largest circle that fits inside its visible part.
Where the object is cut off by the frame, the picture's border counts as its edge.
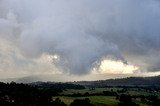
(131, 91)
(79, 52)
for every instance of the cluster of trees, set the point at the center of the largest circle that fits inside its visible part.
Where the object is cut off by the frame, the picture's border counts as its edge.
(15, 94)
(60, 86)
(109, 93)
(151, 100)
(76, 102)
(126, 100)
(81, 102)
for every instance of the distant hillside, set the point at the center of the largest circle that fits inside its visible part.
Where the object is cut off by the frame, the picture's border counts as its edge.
(56, 85)
(130, 81)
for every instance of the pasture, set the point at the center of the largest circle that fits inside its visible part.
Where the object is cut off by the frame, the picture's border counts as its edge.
(97, 97)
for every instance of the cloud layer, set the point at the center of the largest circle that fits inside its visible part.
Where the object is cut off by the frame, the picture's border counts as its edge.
(80, 32)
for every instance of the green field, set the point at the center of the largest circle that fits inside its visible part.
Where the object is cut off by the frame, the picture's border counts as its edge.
(101, 100)
(97, 100)
(131, 91)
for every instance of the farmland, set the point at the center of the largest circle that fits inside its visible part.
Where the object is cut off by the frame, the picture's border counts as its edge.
(98, 98)
(116, 92)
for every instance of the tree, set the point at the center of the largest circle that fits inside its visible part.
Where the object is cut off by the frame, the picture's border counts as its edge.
(126, 100)
(81, 102)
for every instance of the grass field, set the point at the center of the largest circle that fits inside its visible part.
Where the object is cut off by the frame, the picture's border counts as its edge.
(105, 100)
(100, 91)
(97, 100)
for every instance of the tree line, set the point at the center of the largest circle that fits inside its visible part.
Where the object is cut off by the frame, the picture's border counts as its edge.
(19, 94)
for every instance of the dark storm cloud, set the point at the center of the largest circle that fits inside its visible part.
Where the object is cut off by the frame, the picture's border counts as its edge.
(82, 32)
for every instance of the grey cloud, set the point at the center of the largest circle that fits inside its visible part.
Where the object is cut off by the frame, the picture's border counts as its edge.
(82, 32)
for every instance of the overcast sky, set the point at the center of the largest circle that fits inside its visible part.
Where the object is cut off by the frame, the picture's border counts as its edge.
(85, 39)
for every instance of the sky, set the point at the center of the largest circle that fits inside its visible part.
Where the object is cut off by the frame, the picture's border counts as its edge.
(79, 39)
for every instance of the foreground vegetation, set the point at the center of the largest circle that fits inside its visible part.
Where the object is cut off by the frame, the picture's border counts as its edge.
(113, 96)
(74, 94)
(66, 94)
(96, 100)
